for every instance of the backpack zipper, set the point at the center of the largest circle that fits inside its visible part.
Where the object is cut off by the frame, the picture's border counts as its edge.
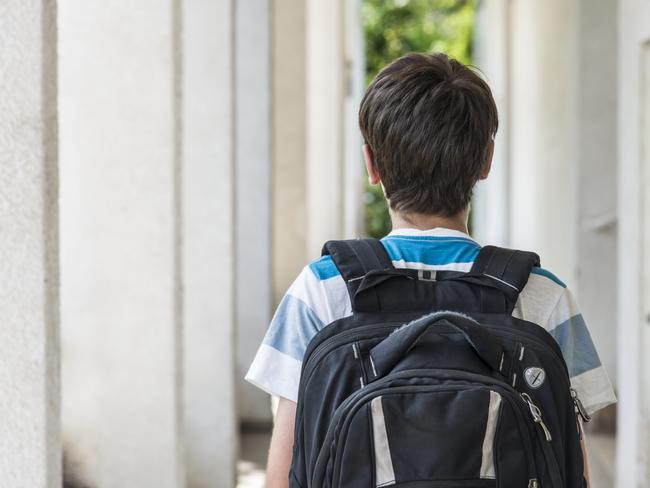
(537, 416)
(328, 345)
(580, 409)
(551, 461)
(340, 339)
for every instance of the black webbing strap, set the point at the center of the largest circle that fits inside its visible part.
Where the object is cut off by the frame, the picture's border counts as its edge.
(355, 257)
(510, 269)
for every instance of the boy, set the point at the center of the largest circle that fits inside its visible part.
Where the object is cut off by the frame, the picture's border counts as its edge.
(428, 124)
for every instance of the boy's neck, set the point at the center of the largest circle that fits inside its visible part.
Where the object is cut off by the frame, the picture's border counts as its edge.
(428, 221)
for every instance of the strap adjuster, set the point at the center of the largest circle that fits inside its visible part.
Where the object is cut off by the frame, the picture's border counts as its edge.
(427, 274)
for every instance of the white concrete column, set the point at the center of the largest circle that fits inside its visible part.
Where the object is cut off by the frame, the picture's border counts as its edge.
(325, 90)
(596, 189)
(208, 244)
(354, 172)
(334, 90)
(289, 173)
(253, 194)
(528, 52)
(633, 440)
(491, 203)
(30, 448)
(120, 247)
(542, 132)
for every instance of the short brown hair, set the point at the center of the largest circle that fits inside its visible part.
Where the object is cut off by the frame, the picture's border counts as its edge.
(428, 120)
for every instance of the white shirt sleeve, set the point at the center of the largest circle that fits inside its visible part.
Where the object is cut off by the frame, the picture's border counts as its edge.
(588, 376)
(313, 301)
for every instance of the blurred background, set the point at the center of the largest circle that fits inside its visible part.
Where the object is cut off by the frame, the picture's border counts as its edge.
(168, 167)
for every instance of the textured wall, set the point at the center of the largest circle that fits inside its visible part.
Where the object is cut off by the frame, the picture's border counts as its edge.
(120, 242)
(29, 382)
(29, 315)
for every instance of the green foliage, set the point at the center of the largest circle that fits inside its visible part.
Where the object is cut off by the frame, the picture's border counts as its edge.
(396, 27)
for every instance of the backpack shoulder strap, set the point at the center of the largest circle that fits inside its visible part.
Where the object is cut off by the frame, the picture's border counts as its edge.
(355, 257)
(510, 268)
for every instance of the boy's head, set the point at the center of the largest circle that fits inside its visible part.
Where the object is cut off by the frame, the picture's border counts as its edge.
(428, 123)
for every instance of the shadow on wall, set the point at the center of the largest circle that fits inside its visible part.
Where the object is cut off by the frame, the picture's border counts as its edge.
(72, 475)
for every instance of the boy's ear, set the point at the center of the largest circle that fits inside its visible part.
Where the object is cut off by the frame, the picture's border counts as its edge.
(369, 159)
(488, 162)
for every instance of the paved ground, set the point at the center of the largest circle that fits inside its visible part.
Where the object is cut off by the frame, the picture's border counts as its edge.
(254, 446)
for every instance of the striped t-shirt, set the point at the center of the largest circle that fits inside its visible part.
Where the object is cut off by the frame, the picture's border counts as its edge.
(319, 296)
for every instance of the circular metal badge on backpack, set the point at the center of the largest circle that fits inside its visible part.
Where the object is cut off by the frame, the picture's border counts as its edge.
(534, 376)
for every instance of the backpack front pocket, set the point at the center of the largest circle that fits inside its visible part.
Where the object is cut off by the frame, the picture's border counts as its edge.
(435, 435)
(480, 483)
(428, 436)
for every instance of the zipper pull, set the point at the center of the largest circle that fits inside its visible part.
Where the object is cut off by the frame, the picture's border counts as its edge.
(537, 416)
(532, 483)
(579, 406)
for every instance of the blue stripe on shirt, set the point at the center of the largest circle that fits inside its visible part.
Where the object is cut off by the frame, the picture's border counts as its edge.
(293, 326)
(577, 347)
(427, 250)
(324, 268)
(440, 251)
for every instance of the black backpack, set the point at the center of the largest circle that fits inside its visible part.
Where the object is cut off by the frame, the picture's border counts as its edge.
(432, 383)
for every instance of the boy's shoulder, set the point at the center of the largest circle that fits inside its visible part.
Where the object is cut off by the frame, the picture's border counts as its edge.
(548, 275)
(546, 300)
(544, 285)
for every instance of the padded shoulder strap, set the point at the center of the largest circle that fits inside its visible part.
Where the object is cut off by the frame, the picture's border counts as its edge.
(508, 267)
(355, 257)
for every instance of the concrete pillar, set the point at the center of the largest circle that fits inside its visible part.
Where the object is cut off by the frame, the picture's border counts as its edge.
(542, 132)
(334, 90)
(208, 244)
(529, 54)
(633, 440)
(354, 172)
(491, 205)
(596, 189)
(289, 170)
(120, 248)
(325, 89)
(30, 450)
(253, 198)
